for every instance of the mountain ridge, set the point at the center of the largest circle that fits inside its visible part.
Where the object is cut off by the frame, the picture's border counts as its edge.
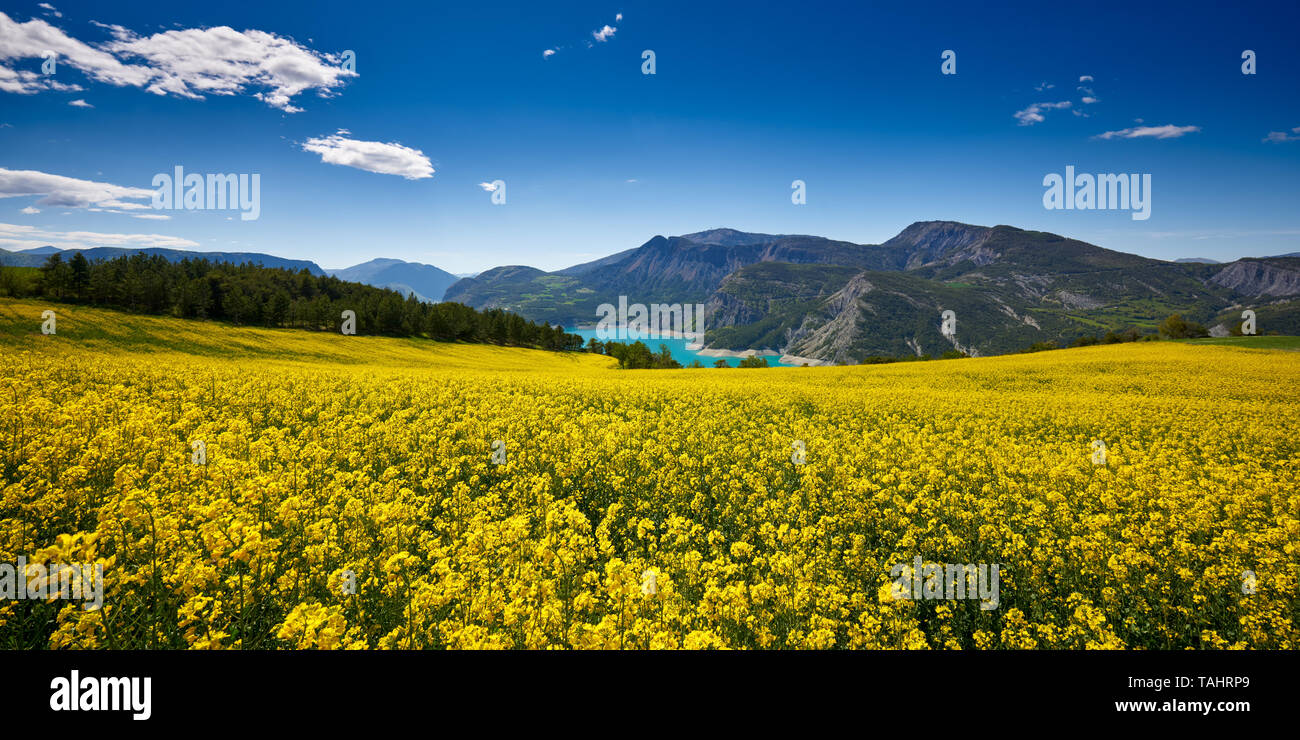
(37, 256)
(425, 282)
(839, 301)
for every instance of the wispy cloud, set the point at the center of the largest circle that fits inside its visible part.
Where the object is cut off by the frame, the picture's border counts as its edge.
(1168, 131)
(80, 104)
(1280, 136)
(1088, 95)
(1034, 113)
(188, 63)
(600, 35)
(49, 10)
(372, 156)
(16, 236)
(1233, 234)
(491, 187)
(70, 192)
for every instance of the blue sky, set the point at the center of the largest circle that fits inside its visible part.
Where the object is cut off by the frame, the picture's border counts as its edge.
(598, 157)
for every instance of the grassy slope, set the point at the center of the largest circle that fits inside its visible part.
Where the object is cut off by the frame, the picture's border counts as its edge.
(82, 329)
(1283, 343)
(101, 330)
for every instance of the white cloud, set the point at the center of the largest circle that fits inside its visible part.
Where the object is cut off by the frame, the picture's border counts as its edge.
(80, 104)
(491, 187)
(371, 156)
(26, 82)
(222, 61)
(190, 63)
(32, 39)
(1206, 235)
(70, 192)
(16, 236)
(1089, 96)
(601, 35)
(1043, 86)
(1280, 136)
(1034, 113)
(30, 210)
(1168, 131)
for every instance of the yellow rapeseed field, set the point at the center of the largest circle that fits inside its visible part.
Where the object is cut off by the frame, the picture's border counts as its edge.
(349, 497)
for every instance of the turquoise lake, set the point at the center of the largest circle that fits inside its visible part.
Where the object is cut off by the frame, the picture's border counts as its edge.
(677, 347)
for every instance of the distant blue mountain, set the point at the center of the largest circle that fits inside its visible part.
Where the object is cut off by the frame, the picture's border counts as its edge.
(425, 282)
(36, 257)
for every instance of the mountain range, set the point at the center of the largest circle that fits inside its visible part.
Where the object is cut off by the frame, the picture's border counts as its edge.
(37, 257)
(837, 301)
(426, 282)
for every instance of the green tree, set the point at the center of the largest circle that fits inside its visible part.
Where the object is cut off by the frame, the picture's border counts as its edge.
(55, 276)
(1176, 327)
(79, 275)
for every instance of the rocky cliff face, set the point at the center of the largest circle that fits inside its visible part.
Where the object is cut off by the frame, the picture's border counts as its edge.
(1274, 277)
(839, 301)
(941, 242)
(830, 336)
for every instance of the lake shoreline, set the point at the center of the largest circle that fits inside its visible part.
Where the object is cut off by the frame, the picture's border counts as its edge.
(785, 359)
(685, 354)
